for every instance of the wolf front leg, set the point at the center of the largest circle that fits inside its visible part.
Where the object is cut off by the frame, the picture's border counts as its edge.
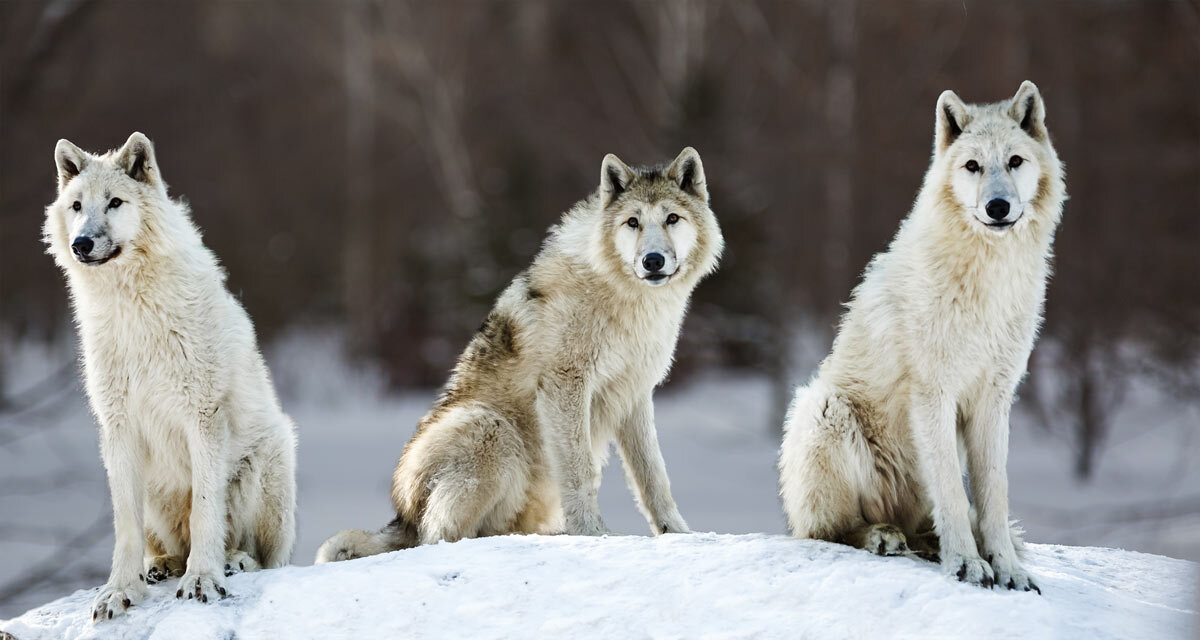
(933, 419)
(563, 408)
(987, 461)
(123, 462)
(646, 472)
(207, 441)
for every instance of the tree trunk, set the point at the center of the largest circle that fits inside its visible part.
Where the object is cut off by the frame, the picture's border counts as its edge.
(1090, 426)
(357, 250)
(840, 99)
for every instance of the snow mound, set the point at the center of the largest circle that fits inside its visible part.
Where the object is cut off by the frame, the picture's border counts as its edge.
(673, 586)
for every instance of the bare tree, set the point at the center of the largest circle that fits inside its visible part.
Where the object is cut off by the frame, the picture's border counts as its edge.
(358, 249)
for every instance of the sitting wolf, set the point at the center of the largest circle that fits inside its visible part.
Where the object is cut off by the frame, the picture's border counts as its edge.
(200, 458)
(931, 349)
(567, 361)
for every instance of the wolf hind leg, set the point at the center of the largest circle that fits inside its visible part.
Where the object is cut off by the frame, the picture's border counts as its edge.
(925, 543)
(274, 523)
(166, 547)
(880, 539)
(827, 473)
(164, 567)
(478, 473)
(238, 561)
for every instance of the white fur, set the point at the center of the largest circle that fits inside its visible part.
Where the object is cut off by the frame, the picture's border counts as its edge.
(200, 457)
(929, 355)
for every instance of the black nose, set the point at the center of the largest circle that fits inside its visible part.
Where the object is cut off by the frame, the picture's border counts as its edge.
(653, 262)
(997, 209)
(82, 246)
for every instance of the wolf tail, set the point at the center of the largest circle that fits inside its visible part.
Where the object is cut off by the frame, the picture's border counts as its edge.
(355, 543)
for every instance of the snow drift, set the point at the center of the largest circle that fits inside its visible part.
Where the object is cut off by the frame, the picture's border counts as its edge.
(674, 586)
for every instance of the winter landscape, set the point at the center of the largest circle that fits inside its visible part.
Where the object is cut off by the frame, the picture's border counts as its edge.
(675, 586)
(373, 173)
(1113, 558)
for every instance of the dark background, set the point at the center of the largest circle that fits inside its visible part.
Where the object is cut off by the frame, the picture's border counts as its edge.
(388, 166)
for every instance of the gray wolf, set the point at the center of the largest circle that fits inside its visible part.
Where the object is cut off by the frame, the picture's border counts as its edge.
(566, 362)
(199, 456)
(932, 346)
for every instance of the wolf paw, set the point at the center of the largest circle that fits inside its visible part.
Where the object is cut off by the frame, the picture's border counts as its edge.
(238, 561)
(116, 599)
(967, 569)
(162, 568)
(204, 587)
(1009, 575)
(885, 540)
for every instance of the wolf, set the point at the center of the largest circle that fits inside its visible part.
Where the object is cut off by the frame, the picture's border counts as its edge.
(934, 341)
(566, 362)
(199, 455)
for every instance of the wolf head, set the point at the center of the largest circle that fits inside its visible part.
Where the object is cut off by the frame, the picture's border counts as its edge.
(103, 202)
(996, 162)
(656, 225)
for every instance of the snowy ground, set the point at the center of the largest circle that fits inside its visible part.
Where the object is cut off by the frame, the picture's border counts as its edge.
(676, 586)
(715, 435)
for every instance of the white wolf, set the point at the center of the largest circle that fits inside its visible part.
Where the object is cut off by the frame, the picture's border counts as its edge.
(200, 457)
(929, 355)
(567, 361)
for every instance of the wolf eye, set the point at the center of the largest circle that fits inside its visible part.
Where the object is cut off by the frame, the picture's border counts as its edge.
(972, 166)
(1015, 162)
(672, 219)
(77, 206)
(632, 222)
(114, 203)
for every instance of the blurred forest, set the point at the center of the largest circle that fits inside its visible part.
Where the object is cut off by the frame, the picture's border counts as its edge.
(386, 167)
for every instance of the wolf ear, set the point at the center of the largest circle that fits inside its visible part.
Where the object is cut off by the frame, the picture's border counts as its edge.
(136, 158)
(1029, 110)
(70, 160)
(951, 120)
(615, 177)
(688, 172)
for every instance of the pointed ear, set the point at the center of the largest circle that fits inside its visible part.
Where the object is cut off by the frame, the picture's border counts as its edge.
(70, 160)
(615, 177)
(951, 120)
(136, 158)
(688, 172)
(1029, 110)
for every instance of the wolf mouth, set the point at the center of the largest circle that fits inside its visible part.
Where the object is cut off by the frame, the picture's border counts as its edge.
(1001, 225)
(657, 279)
(100, 261)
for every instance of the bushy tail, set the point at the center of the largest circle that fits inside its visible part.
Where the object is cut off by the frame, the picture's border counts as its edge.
(355, 543)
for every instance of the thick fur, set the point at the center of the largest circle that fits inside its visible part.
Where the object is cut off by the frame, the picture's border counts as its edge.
(566, 362)
(930, 352)
(200, 457)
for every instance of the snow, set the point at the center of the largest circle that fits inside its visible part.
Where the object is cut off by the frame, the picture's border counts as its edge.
(675, 586)
(715, 432)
